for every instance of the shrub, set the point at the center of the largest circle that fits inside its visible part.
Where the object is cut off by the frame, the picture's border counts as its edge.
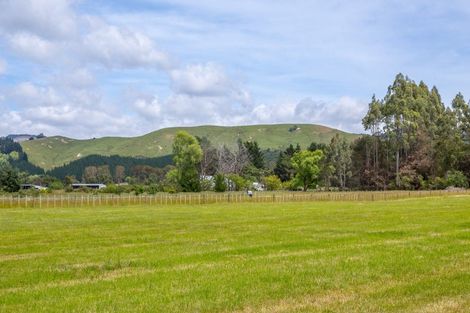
(272, 183)
(56, 185)
(220, 184)
(111, 188)
(456, 179)
(239, 183)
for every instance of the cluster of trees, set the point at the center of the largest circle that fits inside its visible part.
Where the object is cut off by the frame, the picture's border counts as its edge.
(13, 165)
(113, 168)
(415, 141)
(201, 166)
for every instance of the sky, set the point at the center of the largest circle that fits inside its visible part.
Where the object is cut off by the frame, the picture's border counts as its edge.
(124, 68)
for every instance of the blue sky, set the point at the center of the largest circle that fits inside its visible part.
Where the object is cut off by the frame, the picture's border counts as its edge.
(100, 68)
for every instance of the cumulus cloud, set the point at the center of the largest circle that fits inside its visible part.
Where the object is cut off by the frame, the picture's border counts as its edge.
(75, 112)
(119, 47)
(344, 113)
(32, 46)
(202, 80)
(45, 18)
(27, 94)
(44, 29)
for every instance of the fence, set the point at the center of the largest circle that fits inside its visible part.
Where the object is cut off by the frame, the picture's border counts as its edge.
(94, 200)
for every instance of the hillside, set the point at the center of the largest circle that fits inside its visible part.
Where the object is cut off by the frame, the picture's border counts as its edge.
(55, 151)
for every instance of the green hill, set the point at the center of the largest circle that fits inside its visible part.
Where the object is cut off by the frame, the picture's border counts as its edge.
(55, 151)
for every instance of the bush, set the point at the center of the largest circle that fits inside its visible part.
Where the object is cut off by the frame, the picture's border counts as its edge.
(56, 185)
(111, 188)
(289, 185)
(272, 183)
(239, 183)
(456, 179)
(220, 184)
(138, 189)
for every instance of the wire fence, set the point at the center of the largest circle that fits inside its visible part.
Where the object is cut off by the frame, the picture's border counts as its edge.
(161, 199)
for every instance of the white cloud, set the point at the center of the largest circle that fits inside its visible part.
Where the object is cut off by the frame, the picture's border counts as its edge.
(201, 80)
(149, 108)
(32, 46)
(27, 94)
(75, 113)
(117, 47)
(45, 18)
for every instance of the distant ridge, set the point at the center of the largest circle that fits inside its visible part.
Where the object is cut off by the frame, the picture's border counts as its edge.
(52, 152)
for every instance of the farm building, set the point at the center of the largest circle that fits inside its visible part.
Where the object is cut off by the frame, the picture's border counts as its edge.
(89, 186)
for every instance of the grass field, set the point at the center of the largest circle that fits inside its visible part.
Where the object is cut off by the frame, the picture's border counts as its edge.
(408, 255)
(56, 151)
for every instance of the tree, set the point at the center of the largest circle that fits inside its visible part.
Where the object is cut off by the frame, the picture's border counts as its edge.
(187, 156)
(9, 178)
(208, 164)
(119, 174)
(283, 168)
(372, 121)
(339, 159)
(307, 167)
(462, 112)
(317, 146)
(90, 175)
(229, 162)
(255, 154)
(103, 174)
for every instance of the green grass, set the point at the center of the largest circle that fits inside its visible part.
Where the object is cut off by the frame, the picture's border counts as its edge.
(396, 256)
(56, 151)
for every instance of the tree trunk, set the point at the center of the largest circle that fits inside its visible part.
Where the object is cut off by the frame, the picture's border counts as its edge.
(397, 168)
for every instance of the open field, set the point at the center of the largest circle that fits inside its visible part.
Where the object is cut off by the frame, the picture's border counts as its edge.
(56, 151)
(409, 255)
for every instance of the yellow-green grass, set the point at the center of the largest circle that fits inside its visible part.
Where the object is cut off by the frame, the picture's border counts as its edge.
(397, 256)
(56, 151)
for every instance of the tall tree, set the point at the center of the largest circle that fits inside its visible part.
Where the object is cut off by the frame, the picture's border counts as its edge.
(208, 164)
(103, 174)
(462, 112)
(372, 122)
(339, 156)
(90, 175)
(255, 154)
(119, 174)
(307, 167)
(187, 156)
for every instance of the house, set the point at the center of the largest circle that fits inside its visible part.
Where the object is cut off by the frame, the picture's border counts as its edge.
(31, 186)
(258, 186)
(89, 186)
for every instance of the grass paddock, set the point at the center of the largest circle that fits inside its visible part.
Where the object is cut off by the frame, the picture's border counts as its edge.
(409, 255)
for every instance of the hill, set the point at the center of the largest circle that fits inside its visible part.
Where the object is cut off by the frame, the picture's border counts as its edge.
(56, 151)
